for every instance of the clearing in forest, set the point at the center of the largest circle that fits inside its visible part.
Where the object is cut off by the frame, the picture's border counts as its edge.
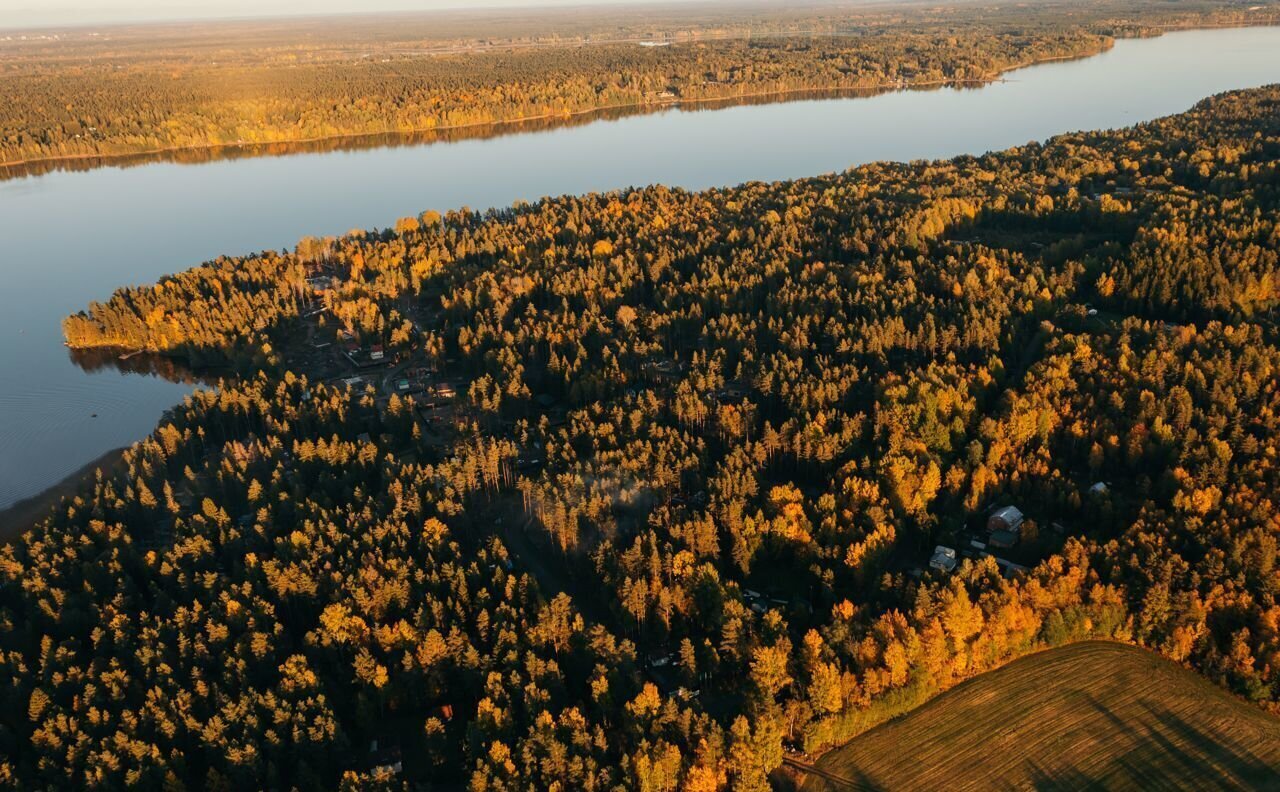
(1087, 716)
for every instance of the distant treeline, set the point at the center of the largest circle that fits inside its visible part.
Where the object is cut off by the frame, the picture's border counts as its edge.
(195, 156)
(129, 102)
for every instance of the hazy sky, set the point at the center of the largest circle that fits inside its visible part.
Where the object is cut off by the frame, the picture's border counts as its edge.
(14, 13)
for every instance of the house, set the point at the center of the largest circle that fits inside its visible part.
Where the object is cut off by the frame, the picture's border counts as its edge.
(663, 369)
(1003, 539)
(1099, 488)
(1006, 519)
(437, 396)
(376, 352)
(974, 549)
(756, 601)
(944, 559)
(359, 357)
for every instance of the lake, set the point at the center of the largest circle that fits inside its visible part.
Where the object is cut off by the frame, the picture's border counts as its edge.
(72, 237)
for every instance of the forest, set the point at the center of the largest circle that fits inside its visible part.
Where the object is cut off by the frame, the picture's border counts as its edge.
(676, 521)
(127, 93)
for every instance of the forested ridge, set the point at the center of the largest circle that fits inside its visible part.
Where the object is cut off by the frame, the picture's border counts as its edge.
(113, 102)
(677, 520)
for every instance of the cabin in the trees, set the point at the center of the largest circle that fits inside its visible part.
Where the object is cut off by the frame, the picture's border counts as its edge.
(974, 549)
(1005, 527)
(663, 370)
(436, 404)
(1007, 518)
(361, 357)
(944, 559)
(733, 392)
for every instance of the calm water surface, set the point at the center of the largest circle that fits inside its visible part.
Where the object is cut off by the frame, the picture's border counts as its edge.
(69, 238)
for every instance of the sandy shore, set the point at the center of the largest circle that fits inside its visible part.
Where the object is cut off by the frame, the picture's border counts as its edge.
(21, 516)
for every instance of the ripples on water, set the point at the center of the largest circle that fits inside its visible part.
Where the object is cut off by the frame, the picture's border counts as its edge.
(50, 428)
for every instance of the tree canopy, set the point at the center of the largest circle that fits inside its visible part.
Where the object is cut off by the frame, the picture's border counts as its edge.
(678, 516)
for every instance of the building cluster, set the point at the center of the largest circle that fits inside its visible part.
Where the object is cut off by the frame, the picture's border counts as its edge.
(1003, 531)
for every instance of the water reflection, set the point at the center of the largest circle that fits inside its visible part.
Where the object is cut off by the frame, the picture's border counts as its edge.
(353, 143)
(71, 238)
(168, 368)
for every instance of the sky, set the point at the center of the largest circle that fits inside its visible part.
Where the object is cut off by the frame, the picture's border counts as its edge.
(29, 13)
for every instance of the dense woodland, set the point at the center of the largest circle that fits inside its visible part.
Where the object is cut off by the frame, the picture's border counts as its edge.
(128, 112)
(672, 400)
(125, 100)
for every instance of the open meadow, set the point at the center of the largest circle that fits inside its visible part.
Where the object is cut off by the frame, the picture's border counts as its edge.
(1091, 715)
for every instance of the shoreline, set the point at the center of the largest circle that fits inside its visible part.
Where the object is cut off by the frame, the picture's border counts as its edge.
(35, 166)
(24, 514)
(16, 169)
(21, 516)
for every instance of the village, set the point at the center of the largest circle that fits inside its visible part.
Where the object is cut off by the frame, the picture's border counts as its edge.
(433, 388)
(340, 357)
(1003, 533)
(431, 385)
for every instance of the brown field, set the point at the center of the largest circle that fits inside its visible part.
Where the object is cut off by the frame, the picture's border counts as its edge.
(1087, 716)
